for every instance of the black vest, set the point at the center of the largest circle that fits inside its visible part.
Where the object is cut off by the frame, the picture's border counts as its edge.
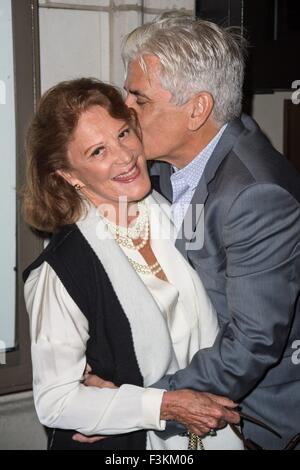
(110, 351)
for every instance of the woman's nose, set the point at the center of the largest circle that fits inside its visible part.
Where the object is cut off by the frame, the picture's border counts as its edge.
(123, 155)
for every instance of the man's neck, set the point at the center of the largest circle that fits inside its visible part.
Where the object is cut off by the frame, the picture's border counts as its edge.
(196, 142)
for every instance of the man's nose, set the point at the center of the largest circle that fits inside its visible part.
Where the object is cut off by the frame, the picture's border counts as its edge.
(130, 101)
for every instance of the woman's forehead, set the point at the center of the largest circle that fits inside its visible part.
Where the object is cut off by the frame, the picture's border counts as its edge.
(98, 118)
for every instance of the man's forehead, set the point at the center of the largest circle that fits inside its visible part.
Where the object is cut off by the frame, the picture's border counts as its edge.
(143, 77)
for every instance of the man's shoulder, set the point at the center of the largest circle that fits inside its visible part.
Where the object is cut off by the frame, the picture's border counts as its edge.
(253, 160)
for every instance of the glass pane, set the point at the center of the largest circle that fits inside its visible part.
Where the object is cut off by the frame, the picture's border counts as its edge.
(7, 180)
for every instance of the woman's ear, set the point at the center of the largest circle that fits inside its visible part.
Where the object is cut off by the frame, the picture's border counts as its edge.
(69, 178)
(201, 108)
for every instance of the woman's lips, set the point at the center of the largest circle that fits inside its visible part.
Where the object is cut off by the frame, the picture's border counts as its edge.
(128, 177)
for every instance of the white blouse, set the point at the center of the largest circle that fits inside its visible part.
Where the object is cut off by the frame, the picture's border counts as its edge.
(60, 332)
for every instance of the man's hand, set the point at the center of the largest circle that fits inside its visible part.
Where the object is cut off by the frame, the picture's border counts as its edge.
(90, 380)
(199, 412)
(87, 440)
(95, 381)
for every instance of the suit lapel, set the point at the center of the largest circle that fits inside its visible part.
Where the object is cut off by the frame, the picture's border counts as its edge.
(191, 234)
(164, 171)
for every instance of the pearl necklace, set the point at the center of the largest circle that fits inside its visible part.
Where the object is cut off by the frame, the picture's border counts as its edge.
(127, 242)
(137, 229)
(145, 268)
(125, 236)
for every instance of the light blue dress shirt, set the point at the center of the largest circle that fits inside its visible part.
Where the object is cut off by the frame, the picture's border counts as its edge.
(185, 180)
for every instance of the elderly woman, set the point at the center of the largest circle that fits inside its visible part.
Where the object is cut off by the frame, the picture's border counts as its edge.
(110, 290)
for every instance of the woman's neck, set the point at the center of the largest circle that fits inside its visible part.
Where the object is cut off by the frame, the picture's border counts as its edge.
(122, 214)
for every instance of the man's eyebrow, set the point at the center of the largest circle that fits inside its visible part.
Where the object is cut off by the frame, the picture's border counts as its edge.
(136, 93)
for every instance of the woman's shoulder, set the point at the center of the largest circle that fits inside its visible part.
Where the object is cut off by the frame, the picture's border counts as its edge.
(63, 237)
(40, 275)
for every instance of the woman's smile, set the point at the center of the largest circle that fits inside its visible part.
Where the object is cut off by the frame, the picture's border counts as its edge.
(129, 176)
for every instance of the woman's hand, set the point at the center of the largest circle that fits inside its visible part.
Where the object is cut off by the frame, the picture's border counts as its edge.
(90, 380)
(199, 412)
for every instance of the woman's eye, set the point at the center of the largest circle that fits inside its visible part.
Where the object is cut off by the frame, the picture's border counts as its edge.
(97, 152)
(124, 133)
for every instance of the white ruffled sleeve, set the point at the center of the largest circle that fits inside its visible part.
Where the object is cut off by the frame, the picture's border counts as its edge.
(59, 333)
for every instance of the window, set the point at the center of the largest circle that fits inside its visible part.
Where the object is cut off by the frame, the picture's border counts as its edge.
(19, 88)
(7, 182)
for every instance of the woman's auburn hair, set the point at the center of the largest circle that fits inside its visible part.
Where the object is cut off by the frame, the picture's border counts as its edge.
(49, 202)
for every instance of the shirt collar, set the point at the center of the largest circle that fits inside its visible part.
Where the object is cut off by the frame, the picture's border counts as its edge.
(192, 172)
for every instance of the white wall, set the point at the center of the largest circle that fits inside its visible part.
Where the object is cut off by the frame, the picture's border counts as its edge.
(83, 37)
(7, 181)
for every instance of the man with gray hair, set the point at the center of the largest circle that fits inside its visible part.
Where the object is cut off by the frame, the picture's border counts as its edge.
(184, 79)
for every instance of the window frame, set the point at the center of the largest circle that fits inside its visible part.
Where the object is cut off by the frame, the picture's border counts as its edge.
(16, 374)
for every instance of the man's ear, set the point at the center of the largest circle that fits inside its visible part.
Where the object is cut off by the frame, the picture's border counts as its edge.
(201, 108)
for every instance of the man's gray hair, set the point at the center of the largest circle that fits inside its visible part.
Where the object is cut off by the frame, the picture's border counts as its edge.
(195, 56)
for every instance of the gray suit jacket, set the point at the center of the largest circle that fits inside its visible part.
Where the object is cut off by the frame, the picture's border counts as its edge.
(250, 266)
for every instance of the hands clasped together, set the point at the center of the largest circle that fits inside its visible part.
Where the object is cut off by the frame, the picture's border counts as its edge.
(200, 412)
